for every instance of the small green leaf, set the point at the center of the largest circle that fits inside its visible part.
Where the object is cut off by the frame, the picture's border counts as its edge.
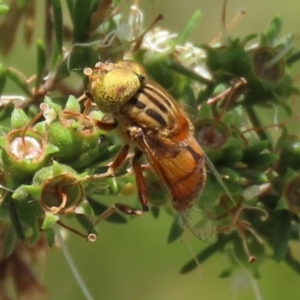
(204, 95)
(206, 253)
(155, 211)
(254, 175)
(5, 113)
(29, 212)
(33, 191)
(81, 20)
(176, 230)
(70, 4)
(90, 156)
(57, 108)
(282, 229)
(2, 142)
(232, 154)
(112, 183)
(15, 220)
(295, 57)
(51, 149)
(59, 169)
(19, 118)
(263, 160)
(288, 146)
(201, 257)
(3, 9)
(226, 273)
(273, 30)
(41, 62)
(186, 72)
(248, 38)
(288, 109)
(188, 28)
(49, 220)
(20, 193)
(19, 80)
(292, 262)
(255, 149)
(2, 79)
(72, 104)
(225, 60)
(58, 24)
(231, 180)
(55, 57)
(49, 234)
(9, 241)
(81, 56)
(281, 205)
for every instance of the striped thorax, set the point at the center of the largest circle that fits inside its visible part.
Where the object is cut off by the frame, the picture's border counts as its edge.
(151, 109)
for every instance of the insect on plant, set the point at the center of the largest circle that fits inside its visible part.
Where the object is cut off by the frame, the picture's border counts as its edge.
(150, 122)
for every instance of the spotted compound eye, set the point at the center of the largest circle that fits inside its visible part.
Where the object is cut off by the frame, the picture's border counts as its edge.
(111, 90)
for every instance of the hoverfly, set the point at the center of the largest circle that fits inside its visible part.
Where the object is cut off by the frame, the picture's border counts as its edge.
(150, 122)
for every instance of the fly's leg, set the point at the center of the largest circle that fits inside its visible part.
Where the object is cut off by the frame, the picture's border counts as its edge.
(73, 230)
(120, 158)
(142, 192)
(141, 187)
(106, 126)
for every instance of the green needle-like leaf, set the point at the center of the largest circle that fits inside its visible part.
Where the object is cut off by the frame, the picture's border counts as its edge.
(9, 241)
(41, 62)
(58, 24)
(188, 28)
(176, 230)
(81, 20)
(282, 231)
(20, 81)
(2, 79)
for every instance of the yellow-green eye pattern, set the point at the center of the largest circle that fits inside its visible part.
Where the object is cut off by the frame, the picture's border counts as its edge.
(113, 86)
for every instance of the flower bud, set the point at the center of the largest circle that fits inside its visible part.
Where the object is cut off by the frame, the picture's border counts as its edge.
(73, 134)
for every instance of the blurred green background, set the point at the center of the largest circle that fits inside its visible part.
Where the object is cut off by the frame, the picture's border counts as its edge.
(134, 261)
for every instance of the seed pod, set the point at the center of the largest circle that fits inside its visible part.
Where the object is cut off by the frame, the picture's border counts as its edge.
(211, 134)
(264, 68)
(291, 194)
(58, 189)
(24, 153)
(215, 138)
